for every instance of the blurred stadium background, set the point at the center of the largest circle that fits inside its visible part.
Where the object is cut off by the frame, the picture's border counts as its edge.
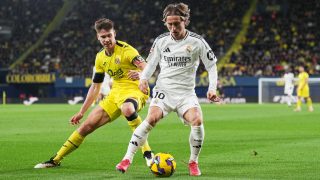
(48, 46)
(47, 50)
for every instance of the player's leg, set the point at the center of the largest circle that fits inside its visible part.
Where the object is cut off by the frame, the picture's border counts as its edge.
(288, 91)
(289, 100)
(299, 102)
(306, 95)
(129, 110)
(189, 110)
(289, 97)
(96, 119)
(309, 104)
(194, 117)
(139, 136)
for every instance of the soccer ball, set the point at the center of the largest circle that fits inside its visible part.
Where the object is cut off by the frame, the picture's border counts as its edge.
(163, 165)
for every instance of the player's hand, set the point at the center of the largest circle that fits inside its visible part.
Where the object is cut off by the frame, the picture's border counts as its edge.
(143, 86)
(100, 96)
(134, 75)
(76, 118)
(211, 96)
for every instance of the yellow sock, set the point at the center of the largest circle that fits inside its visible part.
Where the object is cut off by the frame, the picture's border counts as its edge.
(299, 103)
(309, 102)
(133, 125)
(70, 145)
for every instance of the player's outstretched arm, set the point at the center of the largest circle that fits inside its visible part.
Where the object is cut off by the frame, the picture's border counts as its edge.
(91, 96)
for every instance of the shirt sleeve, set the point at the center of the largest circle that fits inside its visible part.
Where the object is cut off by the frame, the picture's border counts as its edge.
(152, 61)
(209, 60)
(131, 53)
(98, 65)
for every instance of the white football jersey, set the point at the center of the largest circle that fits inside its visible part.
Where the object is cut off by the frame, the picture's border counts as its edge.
(288, 79)
(179, 60)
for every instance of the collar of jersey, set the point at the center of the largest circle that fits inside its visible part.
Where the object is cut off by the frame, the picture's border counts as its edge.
(187, 34)
(114, 50)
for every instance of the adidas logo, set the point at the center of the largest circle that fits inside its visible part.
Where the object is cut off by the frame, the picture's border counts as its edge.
(167, 50)
(134, 143)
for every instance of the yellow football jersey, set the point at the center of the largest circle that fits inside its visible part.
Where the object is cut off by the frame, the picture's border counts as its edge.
(118, 64)
(302, 79)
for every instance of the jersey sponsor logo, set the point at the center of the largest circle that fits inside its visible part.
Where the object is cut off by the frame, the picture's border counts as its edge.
(177, 61)
(116, 74)
(210, 55)
(167, 50)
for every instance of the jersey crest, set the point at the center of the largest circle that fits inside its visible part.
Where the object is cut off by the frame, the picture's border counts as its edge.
(117, 60)
(189, 48)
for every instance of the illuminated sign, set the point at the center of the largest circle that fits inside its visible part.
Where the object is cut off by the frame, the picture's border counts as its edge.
(30, 78)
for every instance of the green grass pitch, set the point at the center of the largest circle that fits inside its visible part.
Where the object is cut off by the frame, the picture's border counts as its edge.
(241, 142)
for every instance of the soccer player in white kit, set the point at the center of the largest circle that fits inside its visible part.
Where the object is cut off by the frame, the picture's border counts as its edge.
(178, 53)
(288, 86)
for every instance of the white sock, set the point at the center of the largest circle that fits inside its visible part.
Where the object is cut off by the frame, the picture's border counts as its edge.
(289, 99)
(196, 141)
(138, 138)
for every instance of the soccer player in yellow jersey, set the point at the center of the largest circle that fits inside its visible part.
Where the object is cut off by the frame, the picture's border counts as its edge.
(123, 63)
(303, 90)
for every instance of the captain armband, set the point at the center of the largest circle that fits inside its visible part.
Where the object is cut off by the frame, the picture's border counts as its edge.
(138, 60)
(98, 77)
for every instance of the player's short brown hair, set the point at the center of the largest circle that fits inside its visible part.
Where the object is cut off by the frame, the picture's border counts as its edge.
(103, 23)
(177, 9)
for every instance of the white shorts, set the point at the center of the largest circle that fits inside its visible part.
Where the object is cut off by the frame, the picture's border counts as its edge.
(288, 90)
(178, 102)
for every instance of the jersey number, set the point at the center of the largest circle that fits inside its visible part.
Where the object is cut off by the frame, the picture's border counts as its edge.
(159, 95)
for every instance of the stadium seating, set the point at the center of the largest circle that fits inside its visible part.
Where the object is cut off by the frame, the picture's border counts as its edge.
(281, 35)
(26, 20)
(70, 50)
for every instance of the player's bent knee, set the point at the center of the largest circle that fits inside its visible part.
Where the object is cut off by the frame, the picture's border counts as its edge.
(154, 115)
(129, 107)
(152, 120)
(196, 121)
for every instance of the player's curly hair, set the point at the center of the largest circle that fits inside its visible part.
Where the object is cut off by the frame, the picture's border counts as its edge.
(177, 9)
(103, 23)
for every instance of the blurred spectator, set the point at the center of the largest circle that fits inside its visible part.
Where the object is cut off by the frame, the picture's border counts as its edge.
(71, 49)
(26, 20)
(281, 34)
